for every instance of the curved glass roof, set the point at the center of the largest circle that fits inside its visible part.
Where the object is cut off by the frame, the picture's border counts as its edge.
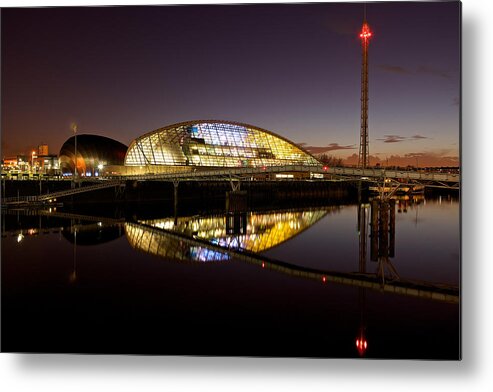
(216, 144)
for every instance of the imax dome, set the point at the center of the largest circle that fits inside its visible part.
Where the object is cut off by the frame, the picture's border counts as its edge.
(93, 151)
(215, 143)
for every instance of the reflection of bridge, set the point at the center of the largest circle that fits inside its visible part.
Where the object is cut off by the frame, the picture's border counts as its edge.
(173, 245)
(219, 244)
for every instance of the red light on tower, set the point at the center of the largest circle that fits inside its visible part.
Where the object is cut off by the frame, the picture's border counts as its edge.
(365, 32)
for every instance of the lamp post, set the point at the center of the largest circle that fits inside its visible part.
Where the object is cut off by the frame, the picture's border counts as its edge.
(100, 169)
(74, 128)
(32, 161)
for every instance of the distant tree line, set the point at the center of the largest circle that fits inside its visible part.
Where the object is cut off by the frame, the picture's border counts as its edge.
(330, 160)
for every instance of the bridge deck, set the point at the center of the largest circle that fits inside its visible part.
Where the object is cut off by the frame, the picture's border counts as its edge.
(441, 180)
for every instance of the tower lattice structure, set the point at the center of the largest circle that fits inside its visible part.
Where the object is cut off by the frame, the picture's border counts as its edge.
(364, 151)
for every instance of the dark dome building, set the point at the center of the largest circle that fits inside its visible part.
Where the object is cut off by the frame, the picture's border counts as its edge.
(93, 154)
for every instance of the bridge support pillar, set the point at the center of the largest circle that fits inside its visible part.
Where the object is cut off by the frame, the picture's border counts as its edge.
(235, 184)
(392, 228)
(236, 201)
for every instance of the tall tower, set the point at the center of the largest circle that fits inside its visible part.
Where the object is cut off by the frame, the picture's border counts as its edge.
(364, 151)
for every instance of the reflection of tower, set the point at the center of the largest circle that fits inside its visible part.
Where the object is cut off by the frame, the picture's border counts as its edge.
(382, 233)
(364, 152)
(383, 236)
(362, 224)
(361, 341)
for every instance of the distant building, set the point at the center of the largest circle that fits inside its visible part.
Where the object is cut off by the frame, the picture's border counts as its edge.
(9, 162)
(18, 164)
(43, 149)
(46, 164)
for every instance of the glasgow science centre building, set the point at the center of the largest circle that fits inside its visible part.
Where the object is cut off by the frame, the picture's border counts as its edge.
(189, 145)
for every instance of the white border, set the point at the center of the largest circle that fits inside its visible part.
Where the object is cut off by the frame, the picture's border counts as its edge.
(130, 373)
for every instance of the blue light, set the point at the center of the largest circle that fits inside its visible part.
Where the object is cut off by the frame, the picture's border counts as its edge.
(205, 255)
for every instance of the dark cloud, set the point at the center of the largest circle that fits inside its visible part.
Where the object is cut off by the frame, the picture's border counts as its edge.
(393, 139)
(397, 138)
(322, 149)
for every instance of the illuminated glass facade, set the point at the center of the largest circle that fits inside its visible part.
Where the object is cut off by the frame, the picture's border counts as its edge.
(215, 144)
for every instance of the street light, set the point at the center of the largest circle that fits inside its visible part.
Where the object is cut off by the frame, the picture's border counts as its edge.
(32, 161)
(74, 128)
(100, 169)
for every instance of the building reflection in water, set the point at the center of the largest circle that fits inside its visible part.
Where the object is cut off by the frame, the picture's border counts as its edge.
(254, 232)
(213, 237)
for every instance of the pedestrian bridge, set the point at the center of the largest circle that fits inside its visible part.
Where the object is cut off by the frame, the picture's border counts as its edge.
(264, 173)
(306, 173)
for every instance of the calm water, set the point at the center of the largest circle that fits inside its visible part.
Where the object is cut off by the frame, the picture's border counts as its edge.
(155, 283)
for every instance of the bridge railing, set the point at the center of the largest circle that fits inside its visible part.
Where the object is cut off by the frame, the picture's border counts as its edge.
(74, 191)
(343, 171)
(19, 199)
(398, 174)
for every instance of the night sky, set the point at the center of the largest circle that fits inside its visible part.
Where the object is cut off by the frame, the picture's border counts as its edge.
(291, 68)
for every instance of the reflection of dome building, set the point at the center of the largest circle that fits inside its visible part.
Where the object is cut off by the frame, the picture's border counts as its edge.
(92, 151)
(262, 231)
(214, 143)
(93, 234)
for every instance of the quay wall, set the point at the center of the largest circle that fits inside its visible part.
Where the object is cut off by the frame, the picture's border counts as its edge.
(154, 191)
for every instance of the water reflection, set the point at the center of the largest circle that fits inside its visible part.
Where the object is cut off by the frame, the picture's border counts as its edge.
(379, 215)
(245, 237)
(254, 232)
(164, 244)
